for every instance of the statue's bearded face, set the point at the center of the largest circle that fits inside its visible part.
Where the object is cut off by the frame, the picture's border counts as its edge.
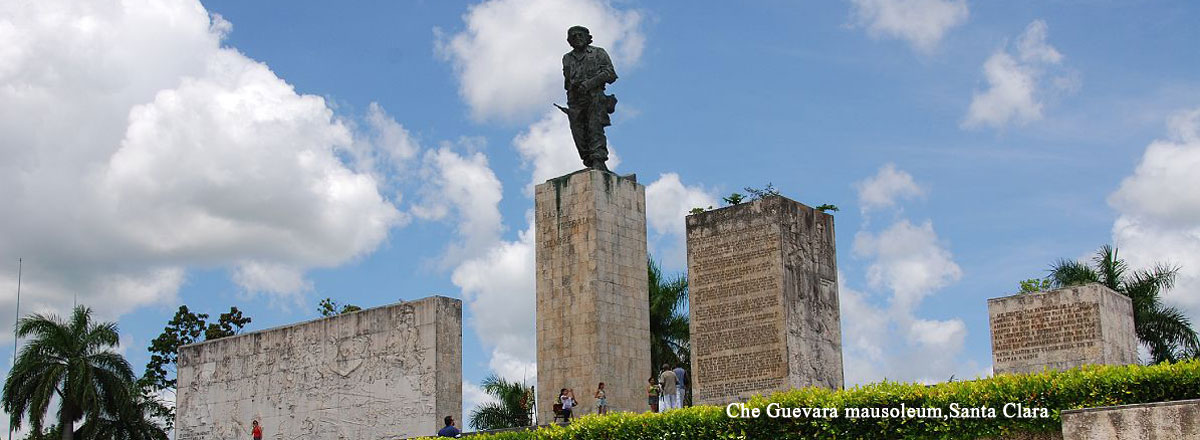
(579, 39)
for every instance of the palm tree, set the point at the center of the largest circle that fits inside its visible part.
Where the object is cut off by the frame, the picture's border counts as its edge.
(669, 332)
(1164, 330)
(509, 410)
(135, 420)
(71, 361)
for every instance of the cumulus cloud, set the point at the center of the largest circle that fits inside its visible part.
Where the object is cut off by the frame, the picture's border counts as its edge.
(886, 188)
(466, 186)
(883, 336)
(1159, 209)
(137, 147)
(1017, 82)
(668, 202)
(908, 260)
(508, 58)
(498, 288)
(922, 23)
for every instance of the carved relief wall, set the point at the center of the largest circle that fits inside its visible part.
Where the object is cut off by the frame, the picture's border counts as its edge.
(382, 373)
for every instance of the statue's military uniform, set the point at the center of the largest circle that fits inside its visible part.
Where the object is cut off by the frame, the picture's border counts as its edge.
(585, 75)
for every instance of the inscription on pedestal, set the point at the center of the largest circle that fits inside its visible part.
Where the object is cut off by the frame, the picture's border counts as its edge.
(763, 316)
(1021, 334)
(1061, 329)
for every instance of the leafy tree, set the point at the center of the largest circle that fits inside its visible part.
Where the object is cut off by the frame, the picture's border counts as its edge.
(184, 328)
(71, 362)
(510, 408)
(1164, 330)
(734, 199)
(134, 421)
(228, 324)
(669, 331)
(51, 433)
(1036, 285)
(328, 307)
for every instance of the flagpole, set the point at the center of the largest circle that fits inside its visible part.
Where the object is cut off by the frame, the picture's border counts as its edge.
(20, 266)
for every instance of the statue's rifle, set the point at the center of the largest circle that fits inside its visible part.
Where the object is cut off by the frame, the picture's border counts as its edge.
(571, 113)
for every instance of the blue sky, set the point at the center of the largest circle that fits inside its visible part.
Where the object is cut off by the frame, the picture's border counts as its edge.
(242, 153)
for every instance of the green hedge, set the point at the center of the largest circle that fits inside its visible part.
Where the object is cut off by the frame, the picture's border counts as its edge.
(1077, 388)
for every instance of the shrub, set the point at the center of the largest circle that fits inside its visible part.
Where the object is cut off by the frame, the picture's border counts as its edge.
(1086, 387)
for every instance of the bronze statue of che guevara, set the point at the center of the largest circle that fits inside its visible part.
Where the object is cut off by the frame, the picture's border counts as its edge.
(586, 70)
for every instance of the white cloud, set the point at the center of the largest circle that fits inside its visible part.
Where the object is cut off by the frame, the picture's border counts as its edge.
(509, 58)
(922, 23)
(547, 146)
(668, 202)
(885, 188)
(908, 264)
(255, 276)
(137, 147)
(908, 260)
(1159, 209)
(1016, 84)
(466, 185)
(498, 288)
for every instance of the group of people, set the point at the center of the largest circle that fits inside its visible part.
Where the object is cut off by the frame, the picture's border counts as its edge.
(566, 402)
(667, 391)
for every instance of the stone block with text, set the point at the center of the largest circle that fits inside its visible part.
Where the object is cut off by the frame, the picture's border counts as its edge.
(763, 299)
(387, 372)
(593, 317)
(1061, 329)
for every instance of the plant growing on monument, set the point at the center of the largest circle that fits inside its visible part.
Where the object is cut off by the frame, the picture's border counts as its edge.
(756, 193)
(328, 307)
(1164, 330)
(733, 199)
(827, 207)
(1036, 285)
(510, 408)
(72, 363)
(669, 327)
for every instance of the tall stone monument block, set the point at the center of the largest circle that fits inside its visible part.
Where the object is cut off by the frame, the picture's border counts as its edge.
(763, 300)
(1061, 329)
(593, 318)
(387, 372)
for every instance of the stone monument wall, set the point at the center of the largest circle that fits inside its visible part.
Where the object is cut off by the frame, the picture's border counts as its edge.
(593, 317)
(1061, 329)
(763, 300)
(381, 373)
(1179, 420)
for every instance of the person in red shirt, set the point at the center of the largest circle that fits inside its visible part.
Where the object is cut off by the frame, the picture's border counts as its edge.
(256, 431)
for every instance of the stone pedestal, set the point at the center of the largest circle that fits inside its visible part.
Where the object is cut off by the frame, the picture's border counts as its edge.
(593, 318)
(1061, 329)
(388, 372)
(763, 299)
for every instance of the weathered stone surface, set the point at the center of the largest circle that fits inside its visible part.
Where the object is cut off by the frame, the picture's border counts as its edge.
(763, 300)
(387, 372)
(1179, 420)
(1061, 329)
(593, 319)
